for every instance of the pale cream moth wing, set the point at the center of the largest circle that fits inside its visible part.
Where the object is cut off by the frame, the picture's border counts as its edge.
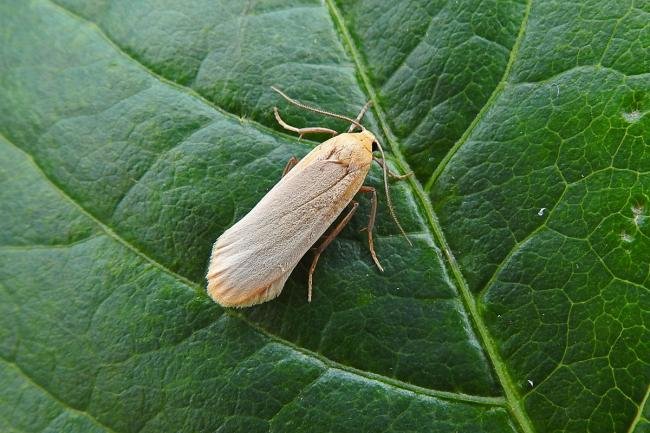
(252, 260)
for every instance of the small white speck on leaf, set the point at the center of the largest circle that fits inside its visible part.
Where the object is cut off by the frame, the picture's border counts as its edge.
(632, 116)
(626, 237)
(530, 382)
(639, 217)
(541, 211)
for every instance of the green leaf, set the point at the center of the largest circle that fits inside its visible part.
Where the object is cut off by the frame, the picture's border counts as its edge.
(133, 133)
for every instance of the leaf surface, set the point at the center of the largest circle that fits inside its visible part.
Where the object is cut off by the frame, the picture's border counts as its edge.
(133, 134)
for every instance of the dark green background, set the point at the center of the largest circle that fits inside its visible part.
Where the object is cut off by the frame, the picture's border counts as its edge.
(133, 133)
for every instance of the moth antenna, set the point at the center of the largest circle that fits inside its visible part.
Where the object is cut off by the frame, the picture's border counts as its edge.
(317, 110)
(360, 115)
(390, 204)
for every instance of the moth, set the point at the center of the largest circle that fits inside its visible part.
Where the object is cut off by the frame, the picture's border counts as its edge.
(252, 260)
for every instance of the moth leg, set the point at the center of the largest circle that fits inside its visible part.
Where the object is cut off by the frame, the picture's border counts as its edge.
(290, 164)
(301, 131)
(328, 240)
(371, 222)
(390, 173)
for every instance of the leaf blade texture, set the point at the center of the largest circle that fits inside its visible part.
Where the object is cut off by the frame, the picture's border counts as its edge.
(131, 135)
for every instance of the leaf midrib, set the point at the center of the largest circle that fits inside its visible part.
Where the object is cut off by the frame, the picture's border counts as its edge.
(513, 399)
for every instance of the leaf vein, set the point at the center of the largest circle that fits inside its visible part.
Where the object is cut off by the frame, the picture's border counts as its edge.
(639, 413)
(488, 105)
(65, 406)
(158, 159)
(179, 87)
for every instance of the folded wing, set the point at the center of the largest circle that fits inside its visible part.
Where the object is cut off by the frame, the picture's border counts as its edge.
(252, 260)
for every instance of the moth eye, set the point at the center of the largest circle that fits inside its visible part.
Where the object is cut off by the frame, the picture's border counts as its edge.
(375, 146)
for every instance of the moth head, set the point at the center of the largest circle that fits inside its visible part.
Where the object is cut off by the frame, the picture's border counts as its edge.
(367, 140)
